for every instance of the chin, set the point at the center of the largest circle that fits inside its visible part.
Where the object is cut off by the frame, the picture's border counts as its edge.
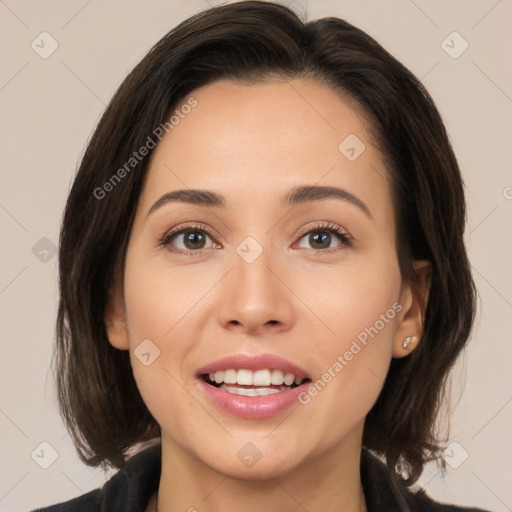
(249, 458)
(261, 470)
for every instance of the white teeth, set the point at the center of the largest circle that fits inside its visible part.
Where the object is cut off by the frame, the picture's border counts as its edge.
(244, 377)
(253, 391)
(261, 378)
(289, 378)
(277, 377)
(230, 376)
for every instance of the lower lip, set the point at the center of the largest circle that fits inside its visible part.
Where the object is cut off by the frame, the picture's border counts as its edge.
(253, 406)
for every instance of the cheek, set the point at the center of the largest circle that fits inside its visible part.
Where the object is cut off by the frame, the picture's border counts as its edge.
(358, 308)
(351, 373)
(159, 304)
(161, 298)
(350, 298)
(168, 401)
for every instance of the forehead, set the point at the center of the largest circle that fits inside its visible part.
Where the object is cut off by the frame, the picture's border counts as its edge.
(248, 141)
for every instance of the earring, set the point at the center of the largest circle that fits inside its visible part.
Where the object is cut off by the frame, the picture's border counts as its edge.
(407, 341)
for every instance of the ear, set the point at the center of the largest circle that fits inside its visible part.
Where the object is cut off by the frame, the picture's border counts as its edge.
(115, 320)
(413, 299)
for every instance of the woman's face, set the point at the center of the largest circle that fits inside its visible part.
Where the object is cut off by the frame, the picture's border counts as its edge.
(263, 278)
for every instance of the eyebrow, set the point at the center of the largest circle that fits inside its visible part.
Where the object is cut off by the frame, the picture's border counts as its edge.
(298, 195)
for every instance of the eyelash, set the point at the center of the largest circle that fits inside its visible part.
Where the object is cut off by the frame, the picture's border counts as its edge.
(345, 237)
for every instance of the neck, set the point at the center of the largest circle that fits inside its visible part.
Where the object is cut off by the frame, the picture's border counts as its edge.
(330, 481)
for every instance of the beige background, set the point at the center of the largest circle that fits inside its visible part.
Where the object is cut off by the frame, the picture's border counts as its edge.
(49, 108)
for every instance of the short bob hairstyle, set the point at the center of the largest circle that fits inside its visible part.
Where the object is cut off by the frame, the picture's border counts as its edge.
(250, 42)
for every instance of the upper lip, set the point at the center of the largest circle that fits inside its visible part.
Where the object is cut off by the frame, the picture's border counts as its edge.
(253, 363)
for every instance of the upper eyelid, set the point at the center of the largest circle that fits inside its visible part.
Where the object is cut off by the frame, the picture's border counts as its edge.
(328, 226)
(188, 227)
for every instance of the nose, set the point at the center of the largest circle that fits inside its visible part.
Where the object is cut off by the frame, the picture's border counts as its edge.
(255, 297)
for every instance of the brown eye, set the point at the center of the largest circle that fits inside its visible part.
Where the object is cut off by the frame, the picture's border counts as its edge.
(325, 238)
(194, 240)
(320, 240)
(188, 239)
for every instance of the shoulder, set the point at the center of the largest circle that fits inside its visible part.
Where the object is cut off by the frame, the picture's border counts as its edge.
(89, 502)
(383, 491)
(421, 502)
(129, 489)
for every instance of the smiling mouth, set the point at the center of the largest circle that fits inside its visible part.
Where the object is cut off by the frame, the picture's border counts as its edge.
(247, 383)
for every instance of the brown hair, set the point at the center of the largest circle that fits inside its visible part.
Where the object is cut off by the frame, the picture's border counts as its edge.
(249, 42)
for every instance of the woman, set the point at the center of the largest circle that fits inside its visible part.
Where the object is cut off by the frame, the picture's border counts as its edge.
(262, 274)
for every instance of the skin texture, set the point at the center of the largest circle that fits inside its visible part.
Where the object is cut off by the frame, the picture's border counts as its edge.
(252, 144)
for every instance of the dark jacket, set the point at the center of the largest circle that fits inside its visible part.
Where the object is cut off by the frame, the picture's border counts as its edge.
(129, 490)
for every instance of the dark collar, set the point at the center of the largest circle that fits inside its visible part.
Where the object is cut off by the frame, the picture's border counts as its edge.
(131, 488)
